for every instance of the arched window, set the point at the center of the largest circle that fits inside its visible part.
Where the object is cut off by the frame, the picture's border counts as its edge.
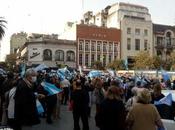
(59, 55)
(47, 54)
(168, 38)
(70, 56)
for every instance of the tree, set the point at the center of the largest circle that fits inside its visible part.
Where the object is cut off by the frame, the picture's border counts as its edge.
(116, 64)
(157, 62)
(2, 26)
(98, 65)
(143, 60)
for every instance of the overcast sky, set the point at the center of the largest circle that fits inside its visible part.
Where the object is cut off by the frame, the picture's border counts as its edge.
(50, 16)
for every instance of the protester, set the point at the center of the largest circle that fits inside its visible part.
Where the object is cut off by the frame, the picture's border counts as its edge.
(111, 115)
(65, 84)
(80, 100)
(143, 115)
(26, 114)
(133, 100)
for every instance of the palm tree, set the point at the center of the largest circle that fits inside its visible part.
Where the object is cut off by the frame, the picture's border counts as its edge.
(2, 26)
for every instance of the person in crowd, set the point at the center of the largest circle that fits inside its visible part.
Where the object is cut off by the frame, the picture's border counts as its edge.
(173, 87)
(157, 94)
(65, 84)
(80, 101)
(111, 115)
(132, 100)
(26, 114)
(143, 115)
(99, 93)
(51, 101)
(6, 86)
(165, 111)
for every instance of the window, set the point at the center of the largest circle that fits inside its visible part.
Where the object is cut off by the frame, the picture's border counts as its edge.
(115, 47)
(104, 47)
(92, 58)
(145, 45)
(110, 47)
(93, 46)
(98, 57)
(137, 31)
(128, 30)
(70, 56)
(47, 54)
(80, 59)
(137, 44)
(87, 46)
(86, 59)
(110, 58)
(104, 60)
(81, 46)
(145, 32)
(59, 55)
(98, 47)
(128, 43)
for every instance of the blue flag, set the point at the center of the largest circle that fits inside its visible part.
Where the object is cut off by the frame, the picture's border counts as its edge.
(40, 108)
(51, 88)
(94, 73)
(165, 75)
(166, 100)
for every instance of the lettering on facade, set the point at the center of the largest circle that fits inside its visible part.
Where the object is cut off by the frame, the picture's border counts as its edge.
(99, 35)
(34, 54)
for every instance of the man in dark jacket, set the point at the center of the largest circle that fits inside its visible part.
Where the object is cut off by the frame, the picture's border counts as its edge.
(80, 100)
(25, 101)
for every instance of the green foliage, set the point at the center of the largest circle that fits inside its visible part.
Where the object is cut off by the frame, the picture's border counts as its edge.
(116, 64)
(98, 65)
(2, 27)
(143, 61)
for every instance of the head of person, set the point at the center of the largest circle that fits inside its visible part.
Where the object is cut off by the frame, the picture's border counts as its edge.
(134, 91)
(98, 83)
(138, 83)
(10, 75)
(115, 83)
(113, 93)
(78, 84)
(144, 96)
(157, 89)
(31, 75)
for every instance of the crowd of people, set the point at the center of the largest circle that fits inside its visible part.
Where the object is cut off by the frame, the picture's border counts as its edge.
(120, 104)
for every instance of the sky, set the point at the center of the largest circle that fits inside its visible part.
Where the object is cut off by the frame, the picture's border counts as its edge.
(50, 16)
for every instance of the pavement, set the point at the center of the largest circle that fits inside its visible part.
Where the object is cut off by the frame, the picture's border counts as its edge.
(66, 121)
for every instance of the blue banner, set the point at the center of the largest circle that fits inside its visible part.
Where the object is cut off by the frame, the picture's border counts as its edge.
(39, 106)
(51, 88)
(166, 100)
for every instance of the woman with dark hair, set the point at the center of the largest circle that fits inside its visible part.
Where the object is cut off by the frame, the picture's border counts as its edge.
(111, 115)
(80, 101)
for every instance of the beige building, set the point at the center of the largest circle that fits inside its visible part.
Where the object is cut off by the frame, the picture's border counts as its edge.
(163, 40)
(17, 40)
(50, 52)
(136, 28)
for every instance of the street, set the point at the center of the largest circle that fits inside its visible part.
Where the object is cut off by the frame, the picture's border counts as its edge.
(66, 121)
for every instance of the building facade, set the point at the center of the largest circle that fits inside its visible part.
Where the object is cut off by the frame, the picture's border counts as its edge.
(17, 40)
(50, 52)
(97, 44)
(136, 28)
(163, 40)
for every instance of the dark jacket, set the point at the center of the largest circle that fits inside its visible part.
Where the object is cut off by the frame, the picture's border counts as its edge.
(111, 115)
(80, 100)
(25, 105)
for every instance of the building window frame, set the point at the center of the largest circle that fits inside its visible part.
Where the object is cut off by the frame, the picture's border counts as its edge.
(70, 56)
(128, 30)
(137, 31)
(128, 44)
(137, 44)
(59, 55)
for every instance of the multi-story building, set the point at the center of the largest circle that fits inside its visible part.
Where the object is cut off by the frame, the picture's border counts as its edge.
(17, 40)
(163, 40)
(136, 28)
(97, 44)
(51, 52)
